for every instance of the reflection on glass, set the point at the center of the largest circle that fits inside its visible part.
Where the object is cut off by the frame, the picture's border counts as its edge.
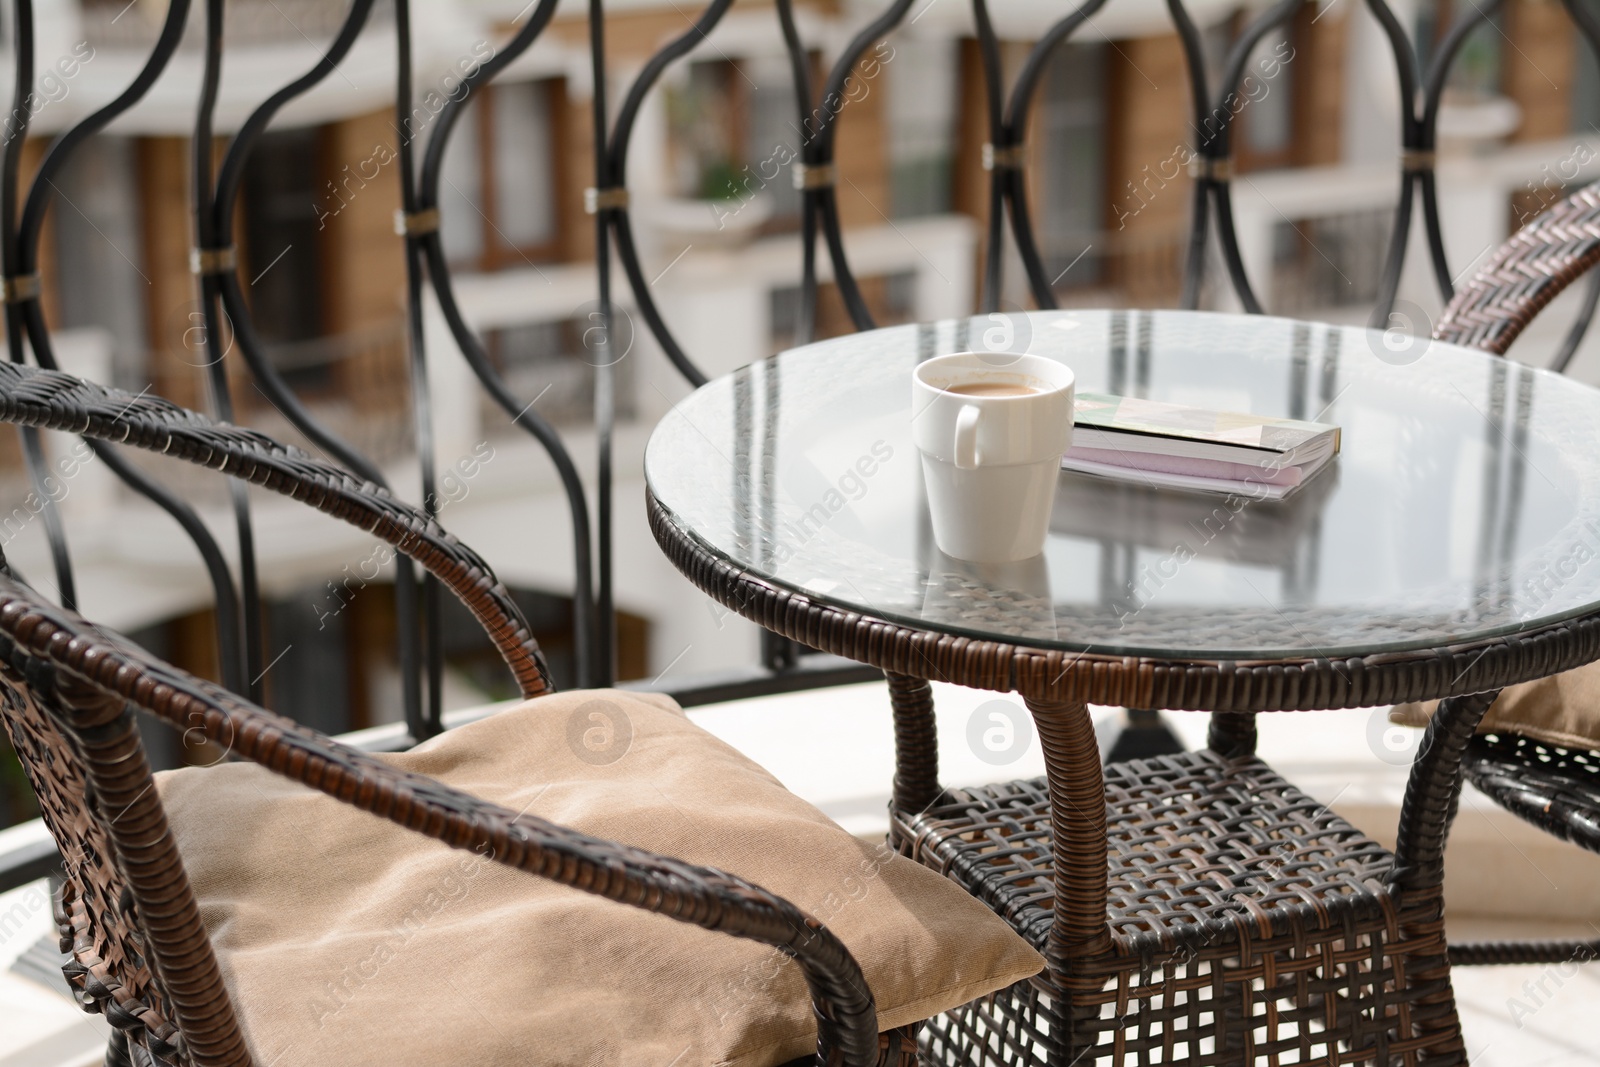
(1465, 501)
(957, 589)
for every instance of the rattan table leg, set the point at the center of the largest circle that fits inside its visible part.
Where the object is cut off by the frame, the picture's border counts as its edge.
(1078, 826)
(1432, 794)
(1232, 733)
(916, 744)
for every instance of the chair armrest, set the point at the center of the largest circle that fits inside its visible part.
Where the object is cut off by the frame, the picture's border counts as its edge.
(58, 401)
(58, 653)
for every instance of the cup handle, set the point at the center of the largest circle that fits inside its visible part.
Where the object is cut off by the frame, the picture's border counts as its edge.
(967, 438)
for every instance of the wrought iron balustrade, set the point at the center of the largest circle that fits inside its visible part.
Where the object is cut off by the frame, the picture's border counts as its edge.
(1203, 257)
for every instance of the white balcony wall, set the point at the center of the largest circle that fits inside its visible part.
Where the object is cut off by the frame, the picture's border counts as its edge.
(1370, 125)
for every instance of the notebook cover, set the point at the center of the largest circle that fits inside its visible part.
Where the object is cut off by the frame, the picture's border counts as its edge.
(1151, 418)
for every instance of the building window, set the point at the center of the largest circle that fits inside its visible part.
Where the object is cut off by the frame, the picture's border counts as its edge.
(1330, 262)
(519, 124)
(462, 219)
(500, 189)
(283, 275)
(921, 81)
(1072, 185)
(1475, 71)
(704, 113)
(733, 131)
(1266, 127)
(772, 140)
(1585, 90)
(555, 361)
(97, 237)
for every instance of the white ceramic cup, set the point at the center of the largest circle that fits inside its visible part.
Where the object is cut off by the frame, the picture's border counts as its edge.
(990, 462)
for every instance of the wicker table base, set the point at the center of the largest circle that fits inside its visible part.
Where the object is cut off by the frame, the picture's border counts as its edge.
(1248, 922)
(1191, 909)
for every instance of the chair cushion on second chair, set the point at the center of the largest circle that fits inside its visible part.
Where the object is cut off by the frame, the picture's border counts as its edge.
(1562, 710)
(346, 939)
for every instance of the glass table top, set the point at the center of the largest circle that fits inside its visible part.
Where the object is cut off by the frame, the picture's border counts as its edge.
(1465, 502)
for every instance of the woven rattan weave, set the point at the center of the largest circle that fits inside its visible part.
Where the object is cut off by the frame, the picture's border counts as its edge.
(1525, 274)
(68, 696)
(1555, 789)
(1287, 684)
(1248, 922)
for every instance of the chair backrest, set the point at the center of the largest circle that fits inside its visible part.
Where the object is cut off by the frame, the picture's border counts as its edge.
(1525, 274)
(40, 399)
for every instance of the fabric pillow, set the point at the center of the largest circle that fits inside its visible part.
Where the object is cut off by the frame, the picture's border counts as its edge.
(1562, 710)
(346, 939)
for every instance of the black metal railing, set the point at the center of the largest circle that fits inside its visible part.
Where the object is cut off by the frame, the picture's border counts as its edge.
(216, 189)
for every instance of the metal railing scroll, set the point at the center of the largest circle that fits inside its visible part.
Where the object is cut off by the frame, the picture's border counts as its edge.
(591, 667)
(819, 92)
(21, 255)
(819, 171)
(1421, 93)
(231, 309)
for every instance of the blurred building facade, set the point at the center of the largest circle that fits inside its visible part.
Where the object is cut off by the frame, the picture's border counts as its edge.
(1316, 186)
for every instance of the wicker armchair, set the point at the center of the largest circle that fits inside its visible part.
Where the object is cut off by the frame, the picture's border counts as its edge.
(1555, 789)
(129, 921)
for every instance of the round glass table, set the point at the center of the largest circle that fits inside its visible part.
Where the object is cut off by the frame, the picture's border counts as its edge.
(1196, 907)
(1462, 510)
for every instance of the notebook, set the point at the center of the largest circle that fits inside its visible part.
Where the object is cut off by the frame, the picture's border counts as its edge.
(1181, 447)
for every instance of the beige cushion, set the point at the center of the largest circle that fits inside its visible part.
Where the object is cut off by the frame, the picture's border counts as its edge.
(1563, 710)
(347, 940)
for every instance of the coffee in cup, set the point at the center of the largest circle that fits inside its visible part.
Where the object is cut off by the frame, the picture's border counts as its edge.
(995, 389)
(991, 428)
